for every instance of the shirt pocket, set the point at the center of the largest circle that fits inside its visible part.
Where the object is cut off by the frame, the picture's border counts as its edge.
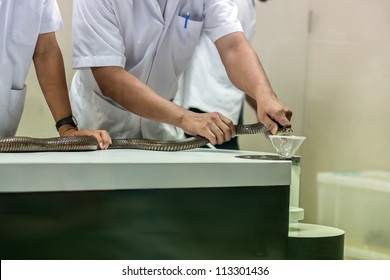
(14, 110)
(187, 36)
(26, 22)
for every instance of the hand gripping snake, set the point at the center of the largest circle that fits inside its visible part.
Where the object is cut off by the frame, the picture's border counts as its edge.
(89, 143)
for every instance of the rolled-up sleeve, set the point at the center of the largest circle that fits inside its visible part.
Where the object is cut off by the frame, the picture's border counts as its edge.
(97, 40)
(220, 18)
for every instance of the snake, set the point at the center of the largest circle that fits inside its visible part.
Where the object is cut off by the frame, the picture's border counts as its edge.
(89, 143)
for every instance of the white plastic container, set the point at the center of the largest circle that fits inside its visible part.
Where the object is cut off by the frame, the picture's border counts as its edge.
(359, 204)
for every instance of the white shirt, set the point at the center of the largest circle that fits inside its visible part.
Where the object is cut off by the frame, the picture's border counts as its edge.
(156, 49)
(21, 21)
(205, 84)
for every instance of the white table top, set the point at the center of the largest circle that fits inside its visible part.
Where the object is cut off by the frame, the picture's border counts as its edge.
(136, 169)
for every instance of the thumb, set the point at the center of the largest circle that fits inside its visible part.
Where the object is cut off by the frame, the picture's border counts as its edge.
(270, 124)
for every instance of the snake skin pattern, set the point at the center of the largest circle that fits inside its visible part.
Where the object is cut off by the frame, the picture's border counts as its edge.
(89, 143)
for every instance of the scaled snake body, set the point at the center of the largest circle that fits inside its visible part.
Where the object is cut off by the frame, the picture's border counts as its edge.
(89, 143)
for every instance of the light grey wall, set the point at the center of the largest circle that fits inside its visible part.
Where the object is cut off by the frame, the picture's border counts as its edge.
(348, 91)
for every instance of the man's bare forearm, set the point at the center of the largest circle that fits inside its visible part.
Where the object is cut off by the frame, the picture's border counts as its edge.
(246, 73)
(135, 96)
(50, 71)
(49, 66)
(242, 65)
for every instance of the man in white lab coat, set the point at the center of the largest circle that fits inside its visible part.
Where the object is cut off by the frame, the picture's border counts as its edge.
(27, 33)
(130, 55)
(205, 86)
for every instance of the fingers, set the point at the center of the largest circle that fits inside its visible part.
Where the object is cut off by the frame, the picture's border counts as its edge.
(268, 122)
(219, 129)
(274, 115)
(226, 126)
(213, 126)
(283, 117)
(279, 119)
(102, 137)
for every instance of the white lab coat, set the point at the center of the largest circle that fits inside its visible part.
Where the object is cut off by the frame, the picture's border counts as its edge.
(153, 47)
(205, 85)
(21, 21)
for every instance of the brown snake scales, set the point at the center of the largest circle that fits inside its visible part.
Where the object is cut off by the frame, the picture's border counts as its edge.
(89, 143)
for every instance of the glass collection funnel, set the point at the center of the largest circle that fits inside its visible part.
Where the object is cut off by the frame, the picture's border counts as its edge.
(286, 146)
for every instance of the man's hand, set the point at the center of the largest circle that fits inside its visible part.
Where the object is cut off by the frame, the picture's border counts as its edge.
(272, 113)
(213, 126)
(101, 136)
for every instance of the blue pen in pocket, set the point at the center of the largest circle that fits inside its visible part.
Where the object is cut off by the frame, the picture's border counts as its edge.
(186, 20)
